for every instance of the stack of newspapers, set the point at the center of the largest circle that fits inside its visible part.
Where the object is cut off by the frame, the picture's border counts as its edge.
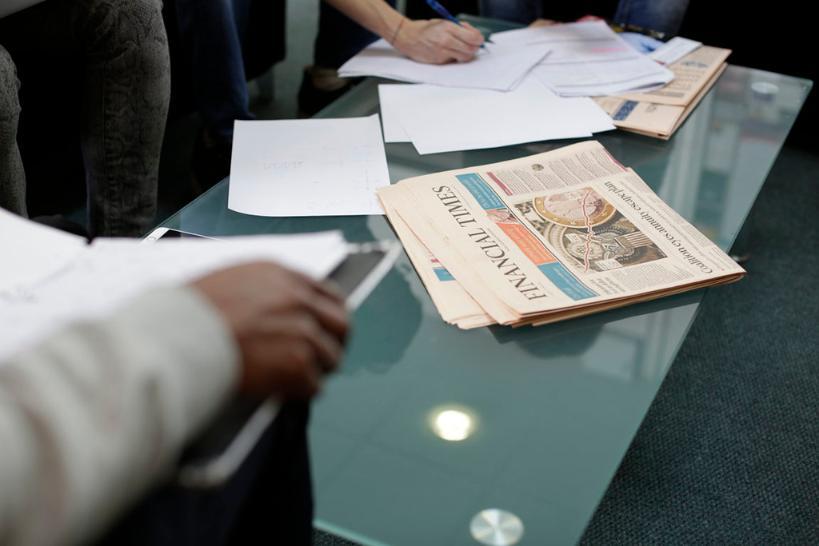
(659, 113)
(547, 238)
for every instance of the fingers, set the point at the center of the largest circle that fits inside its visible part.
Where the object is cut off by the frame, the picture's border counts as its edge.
(452, 55)
(326, 289)
(299, 377)
(331, 315)
(470, 35)
(325, 304)
(301, 330)
(460, 43)
(543, 23)
(325, 348)
(290, 328)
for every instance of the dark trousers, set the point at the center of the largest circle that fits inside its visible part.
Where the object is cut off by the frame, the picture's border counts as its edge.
(121, 53)
(269, 500)
(210, 34)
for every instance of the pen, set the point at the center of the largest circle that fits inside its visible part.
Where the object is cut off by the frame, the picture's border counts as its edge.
(443, 12)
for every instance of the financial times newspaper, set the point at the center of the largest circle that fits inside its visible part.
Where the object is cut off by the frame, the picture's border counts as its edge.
(547, 237)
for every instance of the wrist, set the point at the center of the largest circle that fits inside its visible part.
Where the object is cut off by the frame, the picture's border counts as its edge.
(406, 37)
(395, 34)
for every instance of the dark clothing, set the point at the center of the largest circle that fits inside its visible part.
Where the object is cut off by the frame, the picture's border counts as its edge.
(123, 51)
(268, 501)
(210, 36)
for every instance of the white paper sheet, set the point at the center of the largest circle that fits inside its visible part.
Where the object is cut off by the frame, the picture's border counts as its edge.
(587, 59)
(30, 252)
(571, 42)
(499, 67)
(439, 119)
(590, 79)
(673, 50)
(393, 99)
(309, 167)
(110, 272)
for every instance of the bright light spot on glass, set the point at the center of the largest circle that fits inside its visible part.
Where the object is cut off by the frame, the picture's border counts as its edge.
(452, 425)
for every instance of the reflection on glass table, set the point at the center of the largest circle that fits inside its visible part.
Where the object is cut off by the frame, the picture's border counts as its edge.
(427, 427)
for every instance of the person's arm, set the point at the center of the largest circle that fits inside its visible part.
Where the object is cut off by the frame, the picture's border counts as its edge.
(435, 41)
(93, 416)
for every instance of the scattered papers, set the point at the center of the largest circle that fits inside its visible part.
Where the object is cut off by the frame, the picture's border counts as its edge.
(498, 67)
(650, 119)
(309, 167)
(691, 73)
(674, 50)
(546, 238)
(439, 119)
(107, 273)
(660, 113)
(591, 79)
(571, 42)
(587, 59)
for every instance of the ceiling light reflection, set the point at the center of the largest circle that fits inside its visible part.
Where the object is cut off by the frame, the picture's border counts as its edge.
(453, 424)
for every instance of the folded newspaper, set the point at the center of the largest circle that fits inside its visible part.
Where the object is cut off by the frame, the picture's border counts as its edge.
(661, 112)
(546, 238)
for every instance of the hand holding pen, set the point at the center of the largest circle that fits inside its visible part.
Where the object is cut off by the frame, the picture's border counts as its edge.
(438, 8)
(437, 41)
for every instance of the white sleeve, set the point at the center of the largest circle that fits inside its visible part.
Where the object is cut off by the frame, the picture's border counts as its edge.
(95, 415)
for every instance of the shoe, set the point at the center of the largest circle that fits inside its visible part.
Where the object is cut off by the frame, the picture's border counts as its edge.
(320, 87)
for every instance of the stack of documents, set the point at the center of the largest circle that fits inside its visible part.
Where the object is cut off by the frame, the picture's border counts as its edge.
(587, 59)
(442, 119)
(660, 113)
(55, 278)
(498, 67)
(547, 238)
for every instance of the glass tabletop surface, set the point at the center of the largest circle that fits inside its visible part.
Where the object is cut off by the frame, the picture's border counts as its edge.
(426, 425)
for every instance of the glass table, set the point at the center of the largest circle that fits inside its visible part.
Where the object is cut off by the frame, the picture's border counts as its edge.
(426, 425)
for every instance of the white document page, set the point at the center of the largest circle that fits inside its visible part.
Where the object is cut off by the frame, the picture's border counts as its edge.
(30, 252)
(393, 99)
(499, 67)
(674, 50)
(112, 271)
(571, 42)
(587, 59)
(439, 119)
(602, 78)
(308, 167)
